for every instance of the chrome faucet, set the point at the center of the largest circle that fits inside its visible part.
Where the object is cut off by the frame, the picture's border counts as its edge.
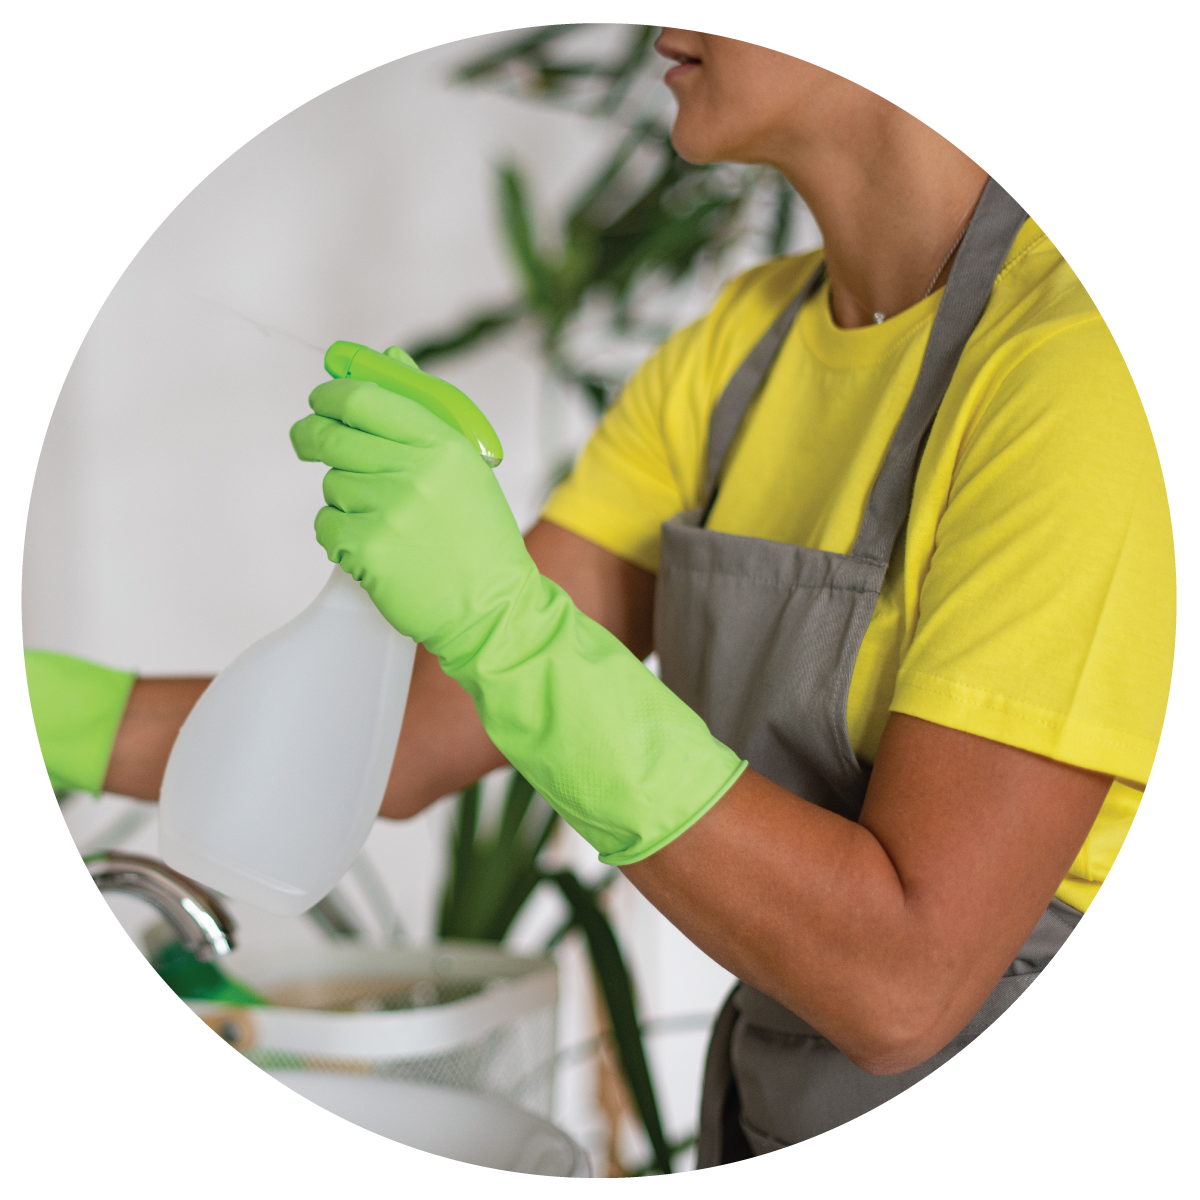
(199, 919)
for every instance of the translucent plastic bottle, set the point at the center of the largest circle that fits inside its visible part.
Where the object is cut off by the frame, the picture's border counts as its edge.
(278, 773)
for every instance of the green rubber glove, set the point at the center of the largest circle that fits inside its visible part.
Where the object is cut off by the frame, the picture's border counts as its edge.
(77, 709)
(416, 516)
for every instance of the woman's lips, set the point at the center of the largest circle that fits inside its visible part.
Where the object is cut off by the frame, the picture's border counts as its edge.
(685, 67)
(686, 63)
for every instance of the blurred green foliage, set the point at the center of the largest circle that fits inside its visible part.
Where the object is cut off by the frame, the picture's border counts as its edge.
(643, 220)
(491, 877)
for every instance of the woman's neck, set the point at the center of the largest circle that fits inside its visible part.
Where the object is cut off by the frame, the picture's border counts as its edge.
(890, 207)
(889, 194)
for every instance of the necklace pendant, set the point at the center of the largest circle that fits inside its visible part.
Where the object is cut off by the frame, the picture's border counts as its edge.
(880, 318)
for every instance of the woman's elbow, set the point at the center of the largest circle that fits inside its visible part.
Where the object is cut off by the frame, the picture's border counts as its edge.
(894, 1034)
(892, 1056)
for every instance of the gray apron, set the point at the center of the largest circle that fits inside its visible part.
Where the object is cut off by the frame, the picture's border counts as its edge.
(761, 638)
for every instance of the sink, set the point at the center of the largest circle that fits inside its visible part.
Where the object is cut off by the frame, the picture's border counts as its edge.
(464, 1126)
(460, 1016)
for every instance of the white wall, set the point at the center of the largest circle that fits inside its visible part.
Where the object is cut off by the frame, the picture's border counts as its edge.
(170, 525)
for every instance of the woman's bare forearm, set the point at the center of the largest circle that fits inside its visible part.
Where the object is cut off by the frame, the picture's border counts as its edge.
(153, 717)
(442, 744)
(886, 934)
(443, 747)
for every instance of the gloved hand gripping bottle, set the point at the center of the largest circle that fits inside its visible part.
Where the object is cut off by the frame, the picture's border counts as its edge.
(278, 773)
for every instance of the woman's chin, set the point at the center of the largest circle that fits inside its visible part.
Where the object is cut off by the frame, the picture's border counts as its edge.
(692, 145)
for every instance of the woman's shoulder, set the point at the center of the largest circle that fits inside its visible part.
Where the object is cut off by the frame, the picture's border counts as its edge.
(1042, 351)
(765, 289)
(1037, 286)
(744, 310)
(694, 363)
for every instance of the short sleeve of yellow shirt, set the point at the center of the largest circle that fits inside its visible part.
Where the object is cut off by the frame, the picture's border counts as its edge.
(1031, 596)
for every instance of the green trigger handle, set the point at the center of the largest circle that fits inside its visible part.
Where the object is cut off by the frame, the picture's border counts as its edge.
(398, 373)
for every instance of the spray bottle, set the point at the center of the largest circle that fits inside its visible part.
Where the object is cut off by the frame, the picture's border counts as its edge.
(278, 772)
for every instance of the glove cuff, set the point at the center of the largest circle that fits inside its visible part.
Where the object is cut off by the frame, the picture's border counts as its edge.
(610, 747)
(77, 710)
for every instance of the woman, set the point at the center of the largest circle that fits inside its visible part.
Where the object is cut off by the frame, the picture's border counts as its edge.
(1008, 688)
(892, 517)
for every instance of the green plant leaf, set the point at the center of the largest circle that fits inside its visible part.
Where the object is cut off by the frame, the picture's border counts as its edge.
(474, 329)
(617, 989)
(491, 879)
(462, 841)
(522, 240)
(784, 207)
(643, 217)
(526, 46)
(516, 805)
(532, 64)
(494, 876)
(622, 75)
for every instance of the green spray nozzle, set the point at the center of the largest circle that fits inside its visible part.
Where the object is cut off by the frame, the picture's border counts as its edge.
(399, 374)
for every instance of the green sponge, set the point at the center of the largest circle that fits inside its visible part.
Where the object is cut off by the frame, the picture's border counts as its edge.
(191, 979)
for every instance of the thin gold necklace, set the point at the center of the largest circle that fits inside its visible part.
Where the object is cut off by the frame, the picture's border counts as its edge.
(880, 317)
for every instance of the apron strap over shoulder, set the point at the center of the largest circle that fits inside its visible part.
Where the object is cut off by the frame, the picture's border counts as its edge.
(745, 384)
(989, 237)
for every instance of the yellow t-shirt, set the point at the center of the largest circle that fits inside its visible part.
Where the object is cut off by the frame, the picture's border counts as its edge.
(1031, 597)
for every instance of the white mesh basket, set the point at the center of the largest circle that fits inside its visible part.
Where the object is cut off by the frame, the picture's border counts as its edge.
(457, 1014)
